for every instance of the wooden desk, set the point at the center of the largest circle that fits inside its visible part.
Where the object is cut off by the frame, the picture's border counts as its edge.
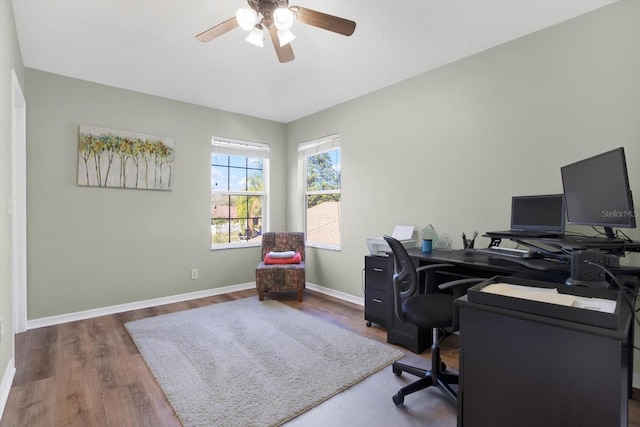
(378, 293)
(378, 286)
(473, 264)
(521, 369)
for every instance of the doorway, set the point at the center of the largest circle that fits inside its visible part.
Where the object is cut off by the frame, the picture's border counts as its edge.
(18, 211)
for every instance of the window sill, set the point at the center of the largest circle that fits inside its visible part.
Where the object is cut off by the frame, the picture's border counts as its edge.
(322, 246)
(236, 246)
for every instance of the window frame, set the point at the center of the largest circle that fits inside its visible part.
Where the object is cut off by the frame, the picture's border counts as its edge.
(309, 149)
(248, 149)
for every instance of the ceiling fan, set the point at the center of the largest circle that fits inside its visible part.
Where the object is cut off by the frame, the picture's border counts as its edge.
(276, 17)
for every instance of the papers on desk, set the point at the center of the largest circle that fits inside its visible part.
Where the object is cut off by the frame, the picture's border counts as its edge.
(551, 296)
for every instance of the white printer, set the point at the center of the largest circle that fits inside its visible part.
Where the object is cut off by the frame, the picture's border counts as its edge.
(403, 233)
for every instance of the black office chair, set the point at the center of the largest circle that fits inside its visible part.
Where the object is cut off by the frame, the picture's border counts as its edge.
(433, 309)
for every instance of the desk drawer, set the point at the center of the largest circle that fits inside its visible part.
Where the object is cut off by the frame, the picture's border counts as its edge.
(377, 273)
(376, 306)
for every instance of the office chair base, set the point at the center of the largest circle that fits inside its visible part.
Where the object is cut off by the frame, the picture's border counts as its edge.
(428, 378)
(398, 368)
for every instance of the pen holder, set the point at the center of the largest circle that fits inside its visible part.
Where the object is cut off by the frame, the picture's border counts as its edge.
(469, 243)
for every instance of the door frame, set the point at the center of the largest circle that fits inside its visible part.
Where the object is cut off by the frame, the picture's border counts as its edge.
(18, 210)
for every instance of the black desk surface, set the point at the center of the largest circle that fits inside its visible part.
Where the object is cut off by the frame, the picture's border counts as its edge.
(461, 256)
(483, 261)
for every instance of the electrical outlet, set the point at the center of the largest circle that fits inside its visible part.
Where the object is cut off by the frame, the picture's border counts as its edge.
(194, 273)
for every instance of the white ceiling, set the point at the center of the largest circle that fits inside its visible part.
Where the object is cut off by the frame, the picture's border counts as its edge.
(149, 46)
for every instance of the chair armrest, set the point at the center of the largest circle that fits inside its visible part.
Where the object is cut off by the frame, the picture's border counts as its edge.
(433, 266)
(459, 287)
(430, 275)
(461, 282)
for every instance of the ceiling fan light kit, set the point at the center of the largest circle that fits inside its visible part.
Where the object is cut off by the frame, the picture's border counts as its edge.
(246, 18)
(277, 17)
(256, 37)
(285, 37)
(283, 19)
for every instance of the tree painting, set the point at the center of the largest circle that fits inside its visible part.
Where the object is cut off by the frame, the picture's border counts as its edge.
(110, 158)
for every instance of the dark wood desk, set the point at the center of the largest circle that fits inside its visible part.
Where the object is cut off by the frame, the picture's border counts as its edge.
(474, 264)
(477, 264)
(378, 286)
(378, 306)
(526, 370)
(378, 297)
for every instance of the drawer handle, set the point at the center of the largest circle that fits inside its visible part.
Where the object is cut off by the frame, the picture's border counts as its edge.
(378, 270)
(376, 300)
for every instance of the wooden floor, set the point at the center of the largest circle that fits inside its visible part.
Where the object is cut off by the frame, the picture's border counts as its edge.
(90, 373)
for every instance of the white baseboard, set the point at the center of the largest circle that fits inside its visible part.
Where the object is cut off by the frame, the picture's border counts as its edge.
(104, 311)
(336, 294)
(5, 386)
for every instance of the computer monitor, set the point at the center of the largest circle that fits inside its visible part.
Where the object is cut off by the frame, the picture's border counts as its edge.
(544, 213)
(597, 192)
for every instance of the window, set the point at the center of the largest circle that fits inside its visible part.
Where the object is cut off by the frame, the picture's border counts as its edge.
(321, 165)
(239, 178)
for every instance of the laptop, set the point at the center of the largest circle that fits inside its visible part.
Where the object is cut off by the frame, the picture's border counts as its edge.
(535, 216)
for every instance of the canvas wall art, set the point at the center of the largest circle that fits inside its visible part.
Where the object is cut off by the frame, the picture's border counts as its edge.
(114, 158)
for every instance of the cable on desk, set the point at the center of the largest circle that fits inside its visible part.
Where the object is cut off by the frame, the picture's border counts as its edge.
(625, 292)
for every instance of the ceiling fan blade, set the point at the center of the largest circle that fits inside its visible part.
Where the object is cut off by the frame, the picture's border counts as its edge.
(285, 53)
(218, 30)
(324, 21)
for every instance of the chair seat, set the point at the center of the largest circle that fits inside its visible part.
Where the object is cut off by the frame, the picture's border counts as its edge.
(429, 310)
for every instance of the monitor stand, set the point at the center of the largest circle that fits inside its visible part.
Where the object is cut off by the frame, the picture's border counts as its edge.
(609, 232)
(609, 239)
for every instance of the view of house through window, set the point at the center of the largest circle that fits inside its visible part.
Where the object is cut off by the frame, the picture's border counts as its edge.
(322, 164)
(238, 192)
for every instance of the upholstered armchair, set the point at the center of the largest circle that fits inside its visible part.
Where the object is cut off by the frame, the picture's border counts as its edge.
(282, 267)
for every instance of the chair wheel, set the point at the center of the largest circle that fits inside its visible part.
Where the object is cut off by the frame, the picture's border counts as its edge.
(398, 399)
(396, 371)
(443, 367)
(368, 324)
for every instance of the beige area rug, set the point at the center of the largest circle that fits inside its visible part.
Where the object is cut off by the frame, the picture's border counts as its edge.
(251, 363)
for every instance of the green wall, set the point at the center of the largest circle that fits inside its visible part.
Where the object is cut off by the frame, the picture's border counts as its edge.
(92, 247)
(451, 146)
